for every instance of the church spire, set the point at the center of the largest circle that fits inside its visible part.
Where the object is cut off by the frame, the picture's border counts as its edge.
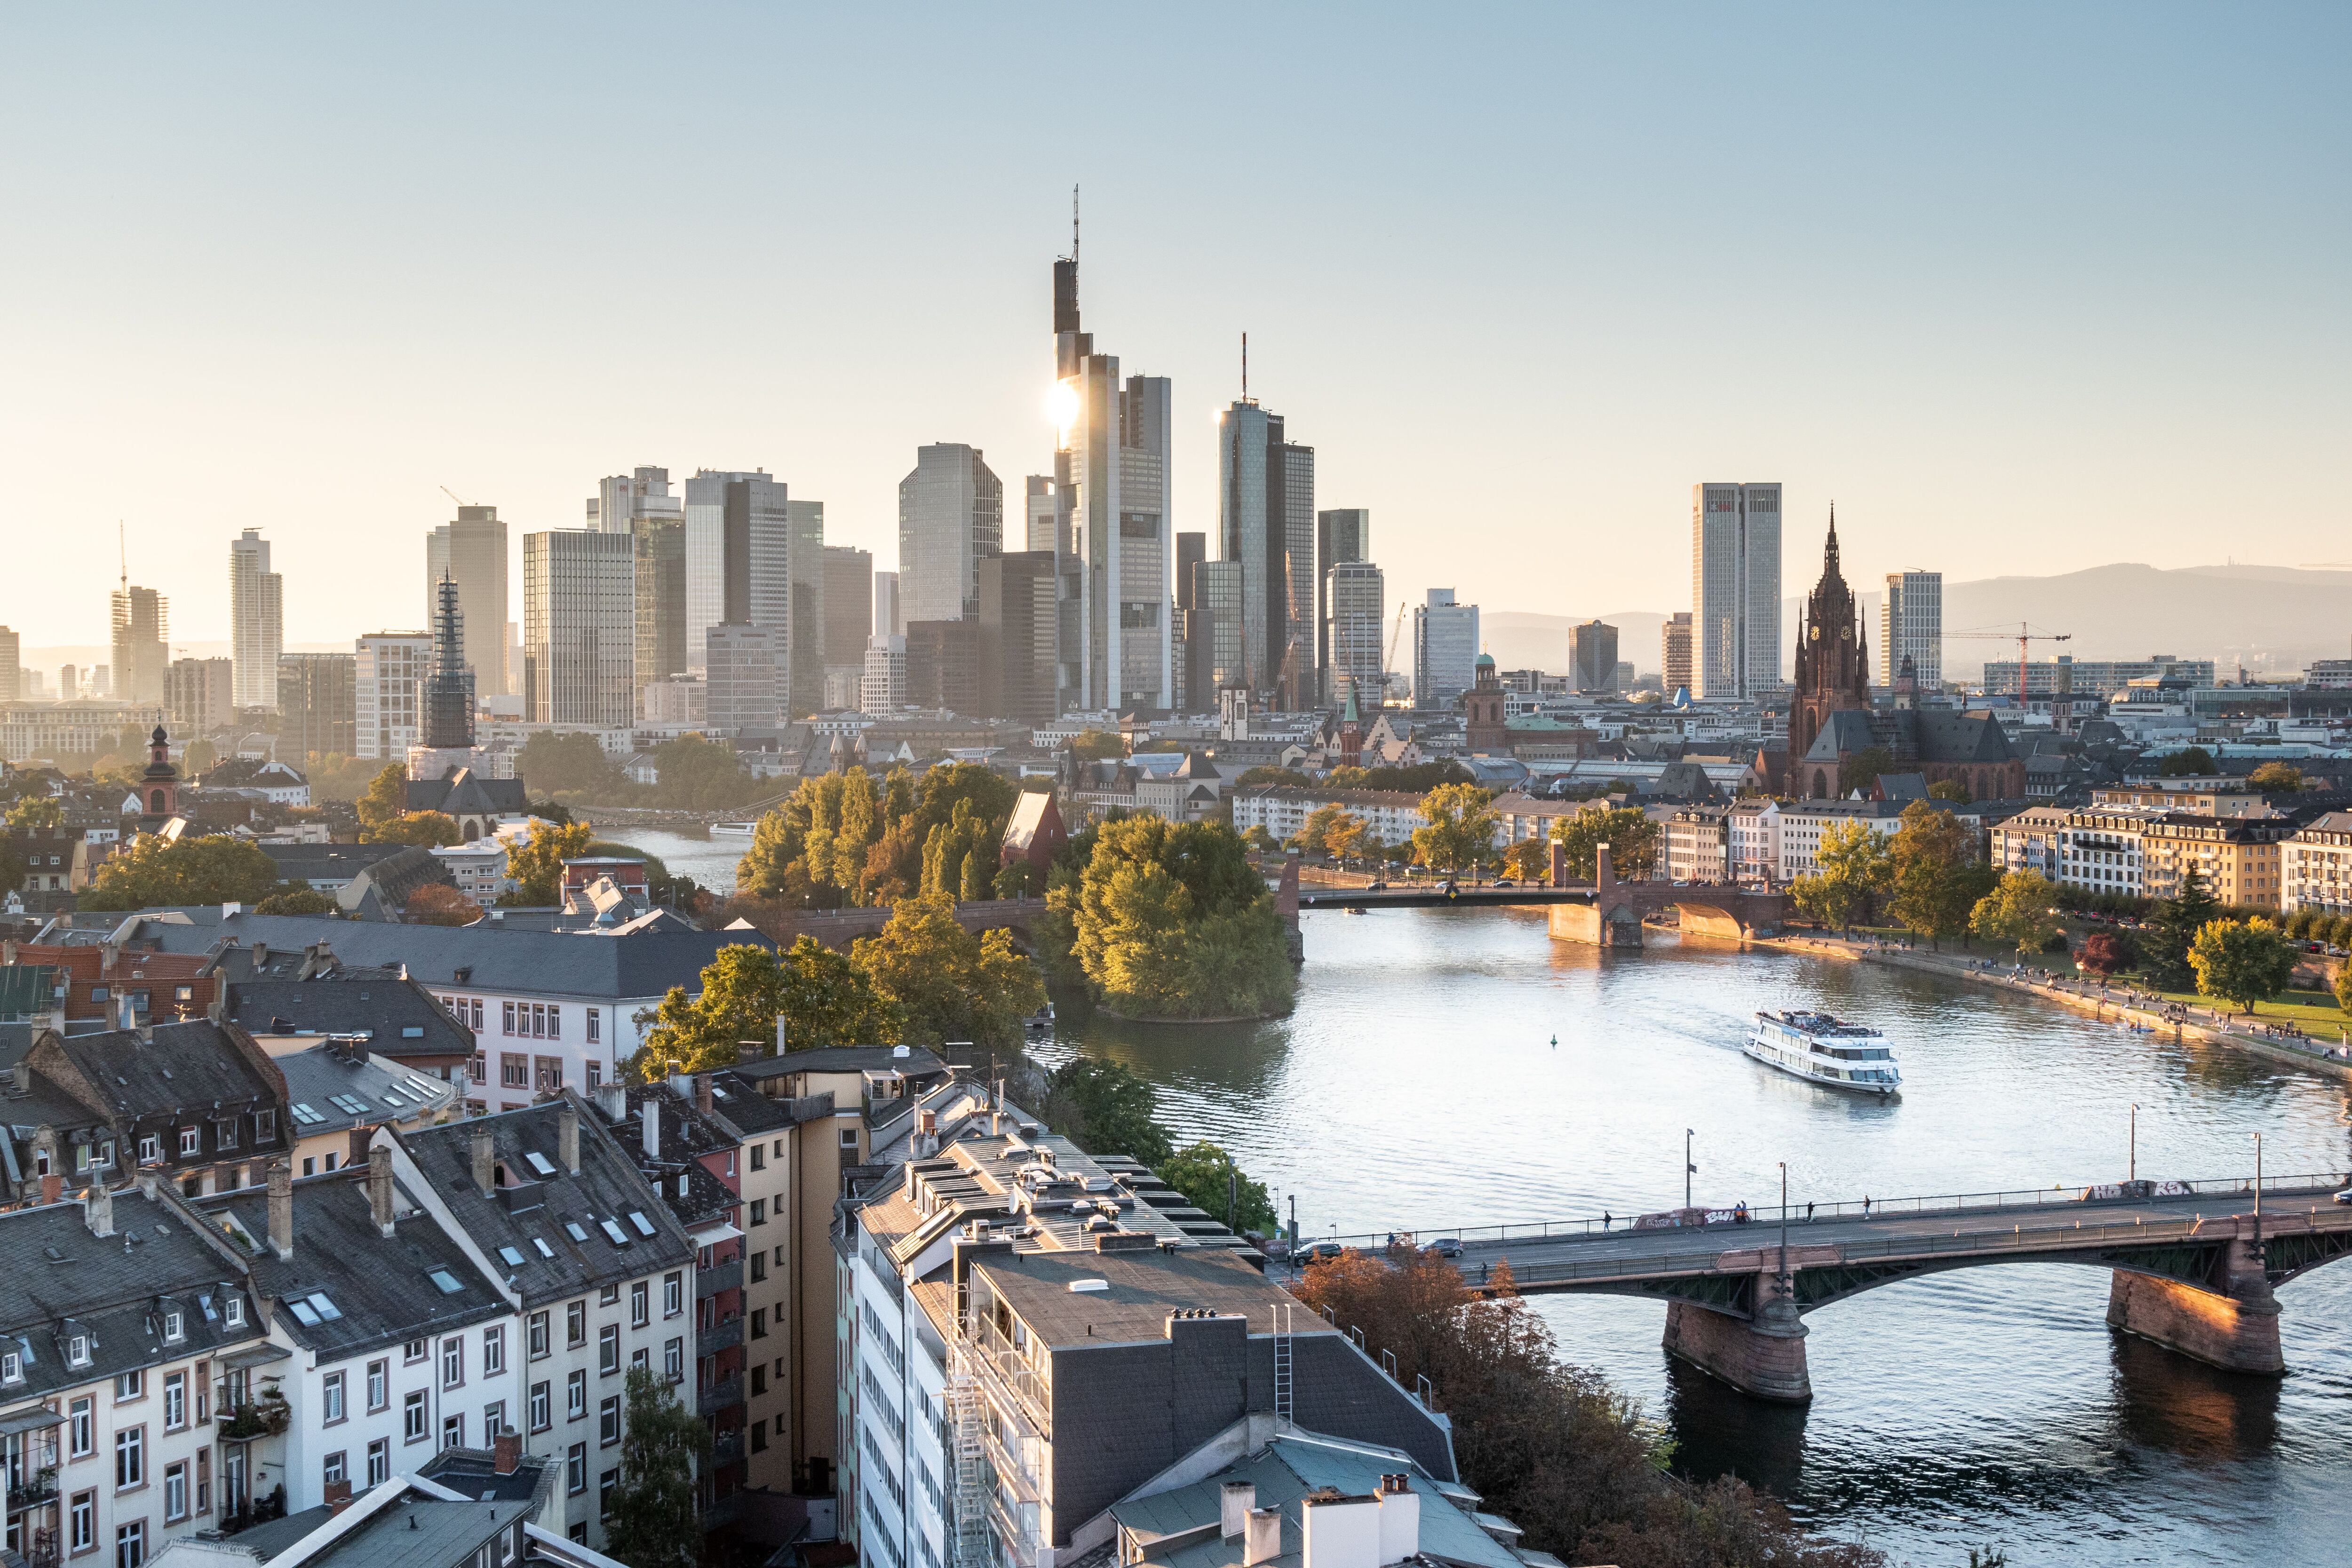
(1829, 552)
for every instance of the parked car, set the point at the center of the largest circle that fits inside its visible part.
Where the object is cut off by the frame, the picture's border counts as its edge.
(2344, 1196)
(1447, 1246)
(1321, 1251)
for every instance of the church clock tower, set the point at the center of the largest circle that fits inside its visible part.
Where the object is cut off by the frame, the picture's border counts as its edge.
(1832, 655)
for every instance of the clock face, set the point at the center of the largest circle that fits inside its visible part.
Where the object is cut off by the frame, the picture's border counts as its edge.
(1815, 634)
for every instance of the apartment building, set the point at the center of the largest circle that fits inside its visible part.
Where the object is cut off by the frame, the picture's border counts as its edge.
(1751, 832)
(2316, 866)
(1390, 815)
(2239, 857)
(2032, 840)
(1802, 824)
(2100, 849)
(1697, 844)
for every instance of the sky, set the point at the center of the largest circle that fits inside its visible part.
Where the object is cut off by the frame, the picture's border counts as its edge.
(2024, 288)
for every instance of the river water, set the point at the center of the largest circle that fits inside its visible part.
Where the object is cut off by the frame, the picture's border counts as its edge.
(1419, 1085)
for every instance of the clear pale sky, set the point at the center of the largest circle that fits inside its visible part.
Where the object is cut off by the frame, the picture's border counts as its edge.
(2025, 289)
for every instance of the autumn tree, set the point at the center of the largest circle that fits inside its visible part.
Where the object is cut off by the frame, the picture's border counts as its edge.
(571, 761)
(2276, 778)
(2244, 961)
(1632, 838)
(439, 904)
(425, 830)
(2021, 912)
(824, 997)
(536, 869)
(1853, 866)
(1529, 859)
(154, 871)
(386, 798)
(1315, 833)
(296, 898)
(37, 813)
(1937, 877)
(2105, 953)
(1459, 831)
(948, 984)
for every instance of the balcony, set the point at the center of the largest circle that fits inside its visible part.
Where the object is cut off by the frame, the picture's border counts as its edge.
(719, 1277)
(719, 1337)
(1017, 1530)
(716, 1397)
(1016, 1385)
(32, 1489)
(265, 1418)
(726, 1448)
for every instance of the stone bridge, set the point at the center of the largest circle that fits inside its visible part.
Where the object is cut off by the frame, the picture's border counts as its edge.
(839, 928)
(2193, 1264)
(1613, 916)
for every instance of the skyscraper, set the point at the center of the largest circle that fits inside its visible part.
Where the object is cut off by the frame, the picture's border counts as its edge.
(1212, 632)
(1265, 520)
(390, 669)
(887, 620)
(449, 690)
(316, 709)
(141, 632)
(257, 618)
(950, 516)
(755, 558)
(804, 626)
(1041, 510)
(1445, 649)
(622, 501)
(1911, 625)
(1355, 601)
(1736, 589)
(473, 551)
(1017, 630)
(1675, 652)
(199, 695)
(1111, 486)
(740, 665)
(657, 552)
(1593, 656)
(848, 603)
(12, 682)
(1341, 536)
(579, 607)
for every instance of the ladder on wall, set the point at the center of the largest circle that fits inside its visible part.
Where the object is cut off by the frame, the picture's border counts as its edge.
(967, 1410)
(1283, 1373)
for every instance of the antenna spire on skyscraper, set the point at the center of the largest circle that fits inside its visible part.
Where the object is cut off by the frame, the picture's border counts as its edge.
(1074, 226)
(1244, 367)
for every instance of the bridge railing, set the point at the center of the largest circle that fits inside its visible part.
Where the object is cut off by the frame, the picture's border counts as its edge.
(2074, 1196)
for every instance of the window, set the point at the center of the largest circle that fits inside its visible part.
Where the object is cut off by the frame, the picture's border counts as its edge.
(595, 1074)
(151, 1148)
(514, 1070)
(538, 1335)
(131, 1384)
(575, 1324)
(331, 1397)
(265, 1127)
(759, 1211)
(379, 1384)
(494, 1351)
(547, 1074)
(480, 1071)
(506, 1017)
(494, 1420)
(610, 1296)
(595, 1025)
(540, 1410)
(334, 1469)
(175, 1492)
(604, 1489)
(81, 1522)
(576, 1396)
(412, 1418)
(642, 1357)
(131, 1544)
(759, 1322)
(539, 1021)
(759, 1156)
(81, 1427)
(608, 1349)
(129, 1457)
(672, 1294)
(608, 1421)
(554, 1023)
(175, 1326)
(413, 1352)
(674, 1361)
(232, 1311)
(225, 1133)
(452, 1431)
(453, 1362)
(575, 1468)
(78, 1350)
(379, 1461)
(759, 1265)
(641, 1303)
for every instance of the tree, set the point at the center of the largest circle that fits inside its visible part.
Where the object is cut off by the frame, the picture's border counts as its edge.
(154, 871)
(425, 830)
(1259, 839)
(650, 1520)
(1853, 866)
(1207, 1176)
(1632, 838)
(1315, 833)
(296, 898)
(439, 904)
(332, 776)
(1460, 831)
(1953, 789)
(1169, 921)
(37, 813)
(200, 754)
(1936, 877)
(1266, 773)
(537, 868)
(1097, 745)
(1418, 779)
(2189, 761)
(2105, 953)
(1017, 880)
(1105, 1109)
(1529, 859)
(947, 983)
(824, 998)
(386, 796)
(1348, 836)
(2244, 961)
(2276, 778)
(2343, 986)
(699, 774)
(2166, 938)
(569, 762)
(2021, 910)
(1861, 771)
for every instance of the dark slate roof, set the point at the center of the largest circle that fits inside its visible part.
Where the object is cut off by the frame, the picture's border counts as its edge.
(315, 1078)
(399, 1017)
(183, 1066)
(324, 862)
(417, 1531)
(1844, 732)
(462, 791)
(113, 1288)
(741, 1105)
(916, 1063)
(380, 1286)
(595, 968)
(608, 1188)
(1944, 736)
(684, 1137)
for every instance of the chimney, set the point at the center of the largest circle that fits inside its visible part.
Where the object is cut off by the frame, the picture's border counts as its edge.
(260, 954)
(484, 1165)
(703, 1093)
(567, 1135)
(1233, 1508)
(339, 1497)
(507, 1448)
(1341, 1530)
(379, 1188)
(97, 1208)
(53, 1187)
(125, 1015)
(780, 1034)
(613, 1100)
(1400, 1520)
(650, 1113)
(281, 1208)
(1264, 1543)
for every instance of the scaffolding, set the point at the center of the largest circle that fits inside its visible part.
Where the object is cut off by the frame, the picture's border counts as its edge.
(967, 1421)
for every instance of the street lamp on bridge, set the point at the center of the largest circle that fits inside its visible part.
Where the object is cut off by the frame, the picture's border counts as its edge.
(1689, 1170)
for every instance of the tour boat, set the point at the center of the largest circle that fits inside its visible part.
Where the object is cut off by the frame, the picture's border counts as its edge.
(1825, 1050)
(733, 829)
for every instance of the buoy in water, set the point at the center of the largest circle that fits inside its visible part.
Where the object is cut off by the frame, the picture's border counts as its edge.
(1555, 1042)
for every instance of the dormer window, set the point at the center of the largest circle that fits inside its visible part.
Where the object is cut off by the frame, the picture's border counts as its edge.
(78, 1350)
(232, 1310)
(11, 1366)
(192, 1141)
(225, 1134)
(151, 1149)
(264, 1126)
(175, 1326)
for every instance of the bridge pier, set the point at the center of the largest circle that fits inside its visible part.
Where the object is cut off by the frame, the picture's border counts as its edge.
(1763, 1356)
(2234, 1328)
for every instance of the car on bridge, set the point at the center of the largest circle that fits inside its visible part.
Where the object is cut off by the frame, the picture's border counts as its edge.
(1446, 1246)
(2344, 1196)
(1376, 887)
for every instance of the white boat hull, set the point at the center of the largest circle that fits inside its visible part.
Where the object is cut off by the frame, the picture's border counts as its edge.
(1762, 1052)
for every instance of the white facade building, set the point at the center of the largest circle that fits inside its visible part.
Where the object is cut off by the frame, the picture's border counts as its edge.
(1735, 589)
(1445, 649)
(388, 692)
(579, 619)
(2316, 866)
(1752, 840)
(1911, 625)
(257, 613)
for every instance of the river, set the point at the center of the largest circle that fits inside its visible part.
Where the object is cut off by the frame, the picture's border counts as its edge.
(1419, 1085)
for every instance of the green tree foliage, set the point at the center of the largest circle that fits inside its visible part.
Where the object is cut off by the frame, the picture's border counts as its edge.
(296, 898)
(1852, 867)
(37, 813)
(650, 1520)
(1208, 1177)
(699, 774)
(569, 762)
(2021, 912)
(1018, 881)
(824, 996)
(1097, 746)
(425, 830)
(199, 754)
(2276, 778)
(1936, 874)
(332, 776)
(1265, 774)
(156, 872)
(2164, 941)
(2189, 761)
(1419, 779)
(537, 868)
(1315, 833)
(1529, 859)
(1952, 790)
(386, 798)
(948, 984)
(1169, 921)
(1256, 837)
(1105, 1109)
(843, 839)
(439, 904)
(1459, 829)
(1632, 838)
(1861, 771)
(2244, 961)
(2343, 986)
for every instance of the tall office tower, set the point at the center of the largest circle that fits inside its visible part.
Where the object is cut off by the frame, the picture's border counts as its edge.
(1735, 589)
(1911, 625)
(1675, 652)
(257, 619)
(884, 688)
(199, 696)
(624, 501)
(142, 631)
(888, 621)
(1213, 634)
(1593, 657)
(388, 692)
(755, 558)
(316, 711)
(578, 628)
(1111, 476)
(943, 665)
(12, 680)
(848, 603)
(658, 550)
(804, 630)
(1445, 649)
(1042, 511)
(1341, 536)
(449, 690)
(68, 683)
(950, 516)
(1017, 624)
(739, 681)
(1355, 597)
(1265, 520)
(1192, 549)
(473, 550)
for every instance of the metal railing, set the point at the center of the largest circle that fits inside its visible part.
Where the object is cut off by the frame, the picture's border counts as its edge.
(718, 1395)
(719, 1277)
(1019, 1386)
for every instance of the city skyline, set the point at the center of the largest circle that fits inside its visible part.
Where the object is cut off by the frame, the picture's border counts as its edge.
(1603, 306)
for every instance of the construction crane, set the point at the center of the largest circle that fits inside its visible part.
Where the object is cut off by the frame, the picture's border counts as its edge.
(1388, 660)
(2024, 635)
(455, 497)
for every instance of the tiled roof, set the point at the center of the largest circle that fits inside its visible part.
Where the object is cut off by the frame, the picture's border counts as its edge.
(398, 1016)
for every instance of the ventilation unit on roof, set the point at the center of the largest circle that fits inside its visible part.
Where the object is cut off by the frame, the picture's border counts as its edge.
(1082, 1286)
